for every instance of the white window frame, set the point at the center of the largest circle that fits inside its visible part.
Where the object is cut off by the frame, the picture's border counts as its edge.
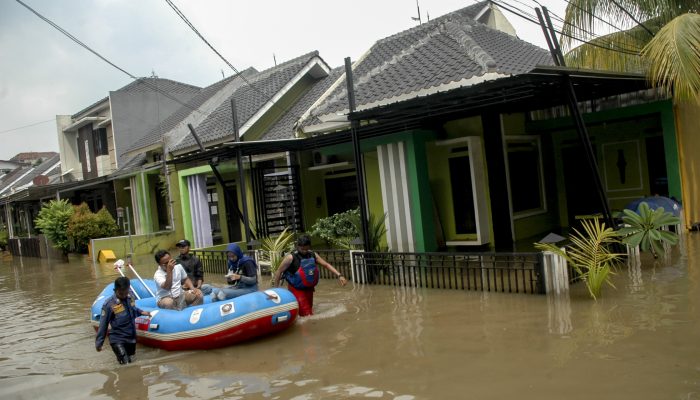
(536, 140)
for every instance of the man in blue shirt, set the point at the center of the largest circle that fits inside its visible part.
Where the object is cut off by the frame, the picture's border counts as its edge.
(119, 312)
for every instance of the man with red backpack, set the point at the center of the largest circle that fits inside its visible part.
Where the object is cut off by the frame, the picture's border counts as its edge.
(300, 270)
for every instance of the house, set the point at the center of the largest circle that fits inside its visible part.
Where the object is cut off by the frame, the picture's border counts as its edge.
(32, 157)
(458, 147)
(8, 166)
(17, 207)
(210, 199)
(465, 141)
(91, 144)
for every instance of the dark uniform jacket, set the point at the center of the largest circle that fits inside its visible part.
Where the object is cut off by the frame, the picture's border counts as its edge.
(192, 266)
(120, 316)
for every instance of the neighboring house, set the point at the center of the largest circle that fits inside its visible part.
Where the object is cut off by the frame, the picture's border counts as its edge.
(211, 213)
(91, 143)
(93, 140)
(18, 212)
(147, 193)
(33, 157)
(8, 166)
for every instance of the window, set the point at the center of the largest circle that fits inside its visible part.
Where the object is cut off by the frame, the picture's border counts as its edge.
(100, 140)
(462, 198)
(525, 175)
(341, 194)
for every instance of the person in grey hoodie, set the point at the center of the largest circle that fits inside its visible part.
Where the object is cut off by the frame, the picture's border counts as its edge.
(242, 276)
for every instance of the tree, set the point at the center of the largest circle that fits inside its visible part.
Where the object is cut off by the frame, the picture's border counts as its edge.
(53, 222)
(658, 37)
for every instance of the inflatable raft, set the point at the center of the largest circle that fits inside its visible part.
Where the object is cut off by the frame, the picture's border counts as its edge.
(209, 325)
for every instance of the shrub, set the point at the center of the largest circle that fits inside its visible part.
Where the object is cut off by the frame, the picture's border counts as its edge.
(53, 222)
(338, 229)
(85, 225)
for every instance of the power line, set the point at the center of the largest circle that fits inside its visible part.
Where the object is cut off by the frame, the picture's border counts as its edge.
(509, 8)
(86, 47)
(633, 18)
(606, 43)
(238, 73)
(27, 126)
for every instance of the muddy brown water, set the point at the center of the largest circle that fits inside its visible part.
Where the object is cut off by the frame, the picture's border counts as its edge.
(640, 341)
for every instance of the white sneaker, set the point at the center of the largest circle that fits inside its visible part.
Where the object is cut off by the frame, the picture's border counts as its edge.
(214, 299)
(221, 295)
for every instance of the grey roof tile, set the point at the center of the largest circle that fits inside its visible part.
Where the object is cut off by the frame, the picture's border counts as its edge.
(284, 127)
(249, 100)
(156, 134)
(451, 48)
(146, 84)
(45, 168)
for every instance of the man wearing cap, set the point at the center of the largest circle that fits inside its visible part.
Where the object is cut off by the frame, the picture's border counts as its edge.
(192, 265)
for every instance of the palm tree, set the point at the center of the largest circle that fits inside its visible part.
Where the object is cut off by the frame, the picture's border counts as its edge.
(658, 37)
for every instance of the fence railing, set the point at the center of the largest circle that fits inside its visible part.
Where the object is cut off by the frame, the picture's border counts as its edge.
(492, 272)
(215, 261)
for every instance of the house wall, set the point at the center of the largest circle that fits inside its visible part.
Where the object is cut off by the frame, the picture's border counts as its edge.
(136, 113)
(541, 222)
(687, 120)
(614, 132)
(142, 244)
(228, 172)
(68, 148)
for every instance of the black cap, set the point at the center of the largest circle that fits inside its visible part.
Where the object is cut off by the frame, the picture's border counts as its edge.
(183, 243)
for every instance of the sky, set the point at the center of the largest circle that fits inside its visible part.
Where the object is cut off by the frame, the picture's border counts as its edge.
(44, 74)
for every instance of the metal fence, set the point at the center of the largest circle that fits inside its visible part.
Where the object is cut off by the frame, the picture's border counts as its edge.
(215, 261)
(492, 272)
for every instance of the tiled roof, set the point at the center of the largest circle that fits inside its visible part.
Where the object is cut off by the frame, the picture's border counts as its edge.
(48, 167)
(156, 134)
(133, 163)
(284, 127)
(33, 155)
(142, 85)
(248, 99)
(442, 52)
(149, 84)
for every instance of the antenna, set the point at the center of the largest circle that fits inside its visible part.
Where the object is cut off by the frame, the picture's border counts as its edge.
(274, 59)
(417, 18)
(222, 74)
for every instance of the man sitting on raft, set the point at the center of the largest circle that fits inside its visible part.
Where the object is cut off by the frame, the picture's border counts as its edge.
(175, 290)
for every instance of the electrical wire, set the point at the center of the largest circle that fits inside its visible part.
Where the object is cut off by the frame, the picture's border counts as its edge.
(606, 43)
(238, 73)
(523, 15)
(86, 47)
(26, 126)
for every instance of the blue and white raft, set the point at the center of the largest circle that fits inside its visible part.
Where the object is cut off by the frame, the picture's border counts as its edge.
(207, 326)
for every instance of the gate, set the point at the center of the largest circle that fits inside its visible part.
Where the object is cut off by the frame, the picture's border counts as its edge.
(277, 200)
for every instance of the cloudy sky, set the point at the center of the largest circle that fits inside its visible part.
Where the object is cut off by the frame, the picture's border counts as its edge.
(43, 73)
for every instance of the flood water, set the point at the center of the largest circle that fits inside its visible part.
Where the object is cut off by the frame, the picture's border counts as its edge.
(640, 341)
